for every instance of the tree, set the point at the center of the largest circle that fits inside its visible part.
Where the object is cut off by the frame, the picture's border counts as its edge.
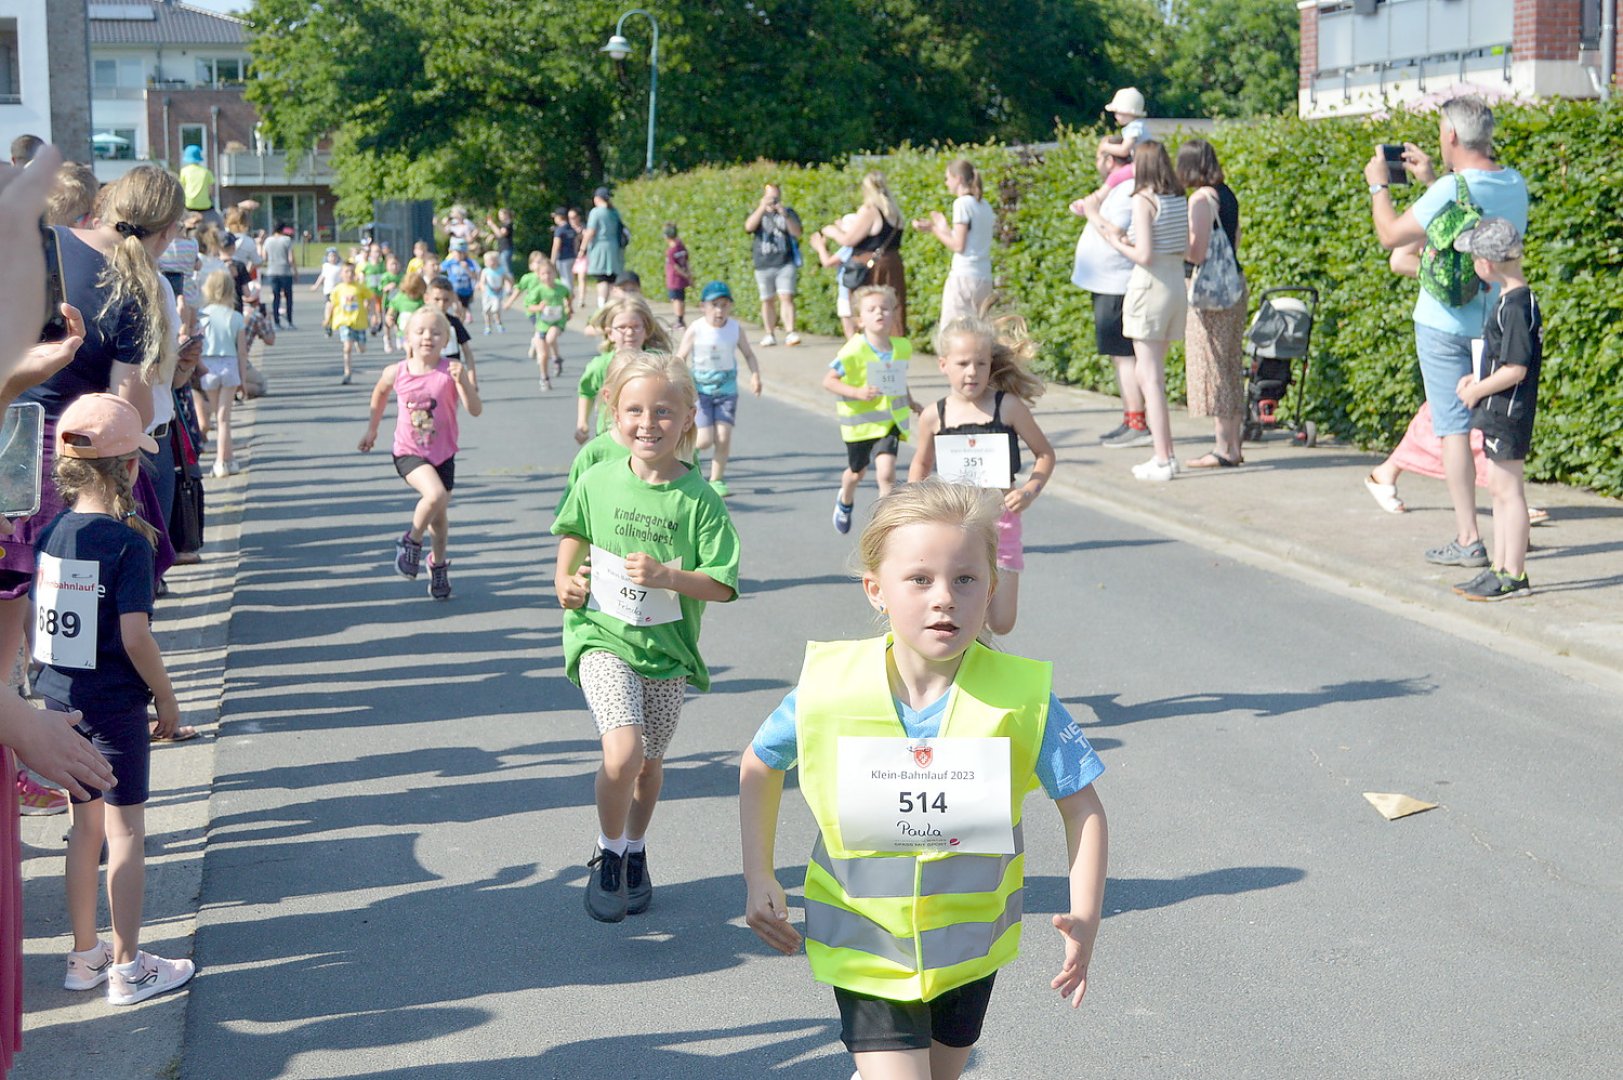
(1234, 58)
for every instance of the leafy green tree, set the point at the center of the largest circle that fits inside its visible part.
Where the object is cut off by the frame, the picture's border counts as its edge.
(1234, 58)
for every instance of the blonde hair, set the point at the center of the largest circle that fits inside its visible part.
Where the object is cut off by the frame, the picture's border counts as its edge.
(1010, 347)
(540, 260)
(218, 288)
(236, 220)
(108, 477)
(628, 366)
(413, 285)
(963, 170)
(657, 340)
(878, 196)
(143, 202)
(932, 502)
(443, 324)
(864, 291)
(73, 195)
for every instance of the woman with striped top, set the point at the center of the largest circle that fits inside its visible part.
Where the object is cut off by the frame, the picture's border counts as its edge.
(1156, 304)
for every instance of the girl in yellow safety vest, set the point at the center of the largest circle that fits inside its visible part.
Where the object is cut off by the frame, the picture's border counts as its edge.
(916, 750)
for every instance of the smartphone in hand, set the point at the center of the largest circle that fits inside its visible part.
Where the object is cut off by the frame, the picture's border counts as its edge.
(21, 443)
(1393, 155)
(55, 327)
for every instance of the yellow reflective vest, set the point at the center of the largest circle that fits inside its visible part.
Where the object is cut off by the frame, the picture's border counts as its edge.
(909, 927)
(863, 420)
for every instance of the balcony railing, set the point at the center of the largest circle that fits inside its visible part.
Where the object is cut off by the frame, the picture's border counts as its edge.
(247, 169)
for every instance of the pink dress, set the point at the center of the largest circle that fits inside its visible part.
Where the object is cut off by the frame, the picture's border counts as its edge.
(11, 918)
(427, 404)
(1421, 450)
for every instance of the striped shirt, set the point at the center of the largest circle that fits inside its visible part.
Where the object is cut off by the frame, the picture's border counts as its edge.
(1171, 225)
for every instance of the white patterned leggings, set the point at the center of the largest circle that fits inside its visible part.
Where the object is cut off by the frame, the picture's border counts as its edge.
(619, 697)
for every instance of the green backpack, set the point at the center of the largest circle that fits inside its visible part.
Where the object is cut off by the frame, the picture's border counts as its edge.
(1445, 273)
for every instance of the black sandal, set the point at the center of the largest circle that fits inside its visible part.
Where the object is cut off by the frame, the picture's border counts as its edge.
(1218, 461)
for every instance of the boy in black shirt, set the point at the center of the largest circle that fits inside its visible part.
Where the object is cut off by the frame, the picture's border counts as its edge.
(1502, 396)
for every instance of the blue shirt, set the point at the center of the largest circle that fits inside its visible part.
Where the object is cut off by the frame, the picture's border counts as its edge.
(1499, 194)
(1065, 765)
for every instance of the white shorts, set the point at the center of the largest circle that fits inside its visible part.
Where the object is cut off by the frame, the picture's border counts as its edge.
(842, 303)
(490, 305)
(220, 371)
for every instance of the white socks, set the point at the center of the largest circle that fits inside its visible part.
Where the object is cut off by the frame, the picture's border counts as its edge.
(621, 846)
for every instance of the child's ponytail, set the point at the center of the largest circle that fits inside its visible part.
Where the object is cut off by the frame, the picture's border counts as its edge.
(969, 178)
(143, 202)
(111, 479)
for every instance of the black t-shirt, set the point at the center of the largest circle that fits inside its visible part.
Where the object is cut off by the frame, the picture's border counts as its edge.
(123, 562)
(504, 238)
(1514, 334)
(771, 244)
(459, 337)
(567, 236)
(115, 336)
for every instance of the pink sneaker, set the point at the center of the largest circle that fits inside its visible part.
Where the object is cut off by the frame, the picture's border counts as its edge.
(88, 970)
(152, 975)
(34, 799)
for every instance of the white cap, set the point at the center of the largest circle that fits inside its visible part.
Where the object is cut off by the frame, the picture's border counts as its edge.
(1127, 100)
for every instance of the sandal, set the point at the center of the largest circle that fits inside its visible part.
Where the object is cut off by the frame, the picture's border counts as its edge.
(183, 733)
(1385, 495)
(1537, 515)
(1211, 460)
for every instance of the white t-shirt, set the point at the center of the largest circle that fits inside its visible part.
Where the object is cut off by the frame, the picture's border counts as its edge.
(976, 258)
(329, 276)
(1135, 131)
(163, 398)
(1100, 268)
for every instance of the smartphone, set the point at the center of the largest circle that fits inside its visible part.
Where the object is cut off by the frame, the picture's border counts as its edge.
(21, 443)
(55, 327)
(193, 339)
(1395, 172)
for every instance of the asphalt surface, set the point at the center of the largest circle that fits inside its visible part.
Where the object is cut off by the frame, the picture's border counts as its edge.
(403, 798)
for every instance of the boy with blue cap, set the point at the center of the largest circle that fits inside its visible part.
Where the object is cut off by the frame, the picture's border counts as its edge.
(711, 347)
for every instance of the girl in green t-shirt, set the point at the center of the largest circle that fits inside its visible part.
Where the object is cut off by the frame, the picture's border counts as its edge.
(649, 543)
(399, 307)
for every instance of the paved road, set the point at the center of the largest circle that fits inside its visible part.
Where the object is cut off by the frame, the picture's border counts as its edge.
(403, 800)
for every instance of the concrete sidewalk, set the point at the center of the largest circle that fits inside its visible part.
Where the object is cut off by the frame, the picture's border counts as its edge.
(1305, 512)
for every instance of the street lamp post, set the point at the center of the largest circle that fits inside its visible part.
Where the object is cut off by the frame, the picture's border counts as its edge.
(619, 48)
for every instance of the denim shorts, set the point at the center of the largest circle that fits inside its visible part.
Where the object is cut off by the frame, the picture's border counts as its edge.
(716, 409)
(778, 281)
(353, 335)
(1444, 360)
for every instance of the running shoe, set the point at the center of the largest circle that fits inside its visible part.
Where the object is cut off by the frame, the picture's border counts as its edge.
(221, 469)
(558, 369)
(768, 340)
(792, 339)
(606, 898)
(152, 975)
(345, 381)
(1477, 582)
(545, 385)
(1128, 439)
(1156, 470)
(720, 488)
(439, 579)
(842, 517)
(88, 970)
(1500, 587)
(34, 799)
(408, 556)
(1455, 553)
(639, 886)
(1116, 432)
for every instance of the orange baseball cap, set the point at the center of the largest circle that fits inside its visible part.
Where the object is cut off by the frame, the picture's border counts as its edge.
(101, 426)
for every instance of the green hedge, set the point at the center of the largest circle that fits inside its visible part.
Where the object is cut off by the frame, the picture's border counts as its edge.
(1305, 220)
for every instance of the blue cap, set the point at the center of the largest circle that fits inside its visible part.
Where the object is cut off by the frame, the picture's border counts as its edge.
(192, 155)
(716, 290)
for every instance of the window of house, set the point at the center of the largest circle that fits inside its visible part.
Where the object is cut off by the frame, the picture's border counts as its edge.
(11, 83)
(194, 135)
(221, 71)
(114, 144)
(126, 73)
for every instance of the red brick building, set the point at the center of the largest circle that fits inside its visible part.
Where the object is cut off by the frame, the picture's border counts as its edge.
(1358, 56)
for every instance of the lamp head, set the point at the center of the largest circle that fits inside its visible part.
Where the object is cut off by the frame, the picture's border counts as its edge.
(618, 48)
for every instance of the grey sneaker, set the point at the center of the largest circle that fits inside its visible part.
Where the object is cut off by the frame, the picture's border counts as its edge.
(842, 517)
(1454, 553)
(1128, 439)
(606, 888)
(1116, 432)
(1477, 582)
(639, 886)
(439, 579)
(1498, 586)
(408, 555)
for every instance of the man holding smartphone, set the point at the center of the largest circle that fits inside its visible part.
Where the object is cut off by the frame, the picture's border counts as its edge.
(1443, 333)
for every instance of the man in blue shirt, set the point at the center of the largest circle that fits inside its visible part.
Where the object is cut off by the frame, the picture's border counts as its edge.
(1443, 334)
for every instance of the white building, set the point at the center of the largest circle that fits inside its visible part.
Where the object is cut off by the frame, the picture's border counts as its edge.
(43, 74)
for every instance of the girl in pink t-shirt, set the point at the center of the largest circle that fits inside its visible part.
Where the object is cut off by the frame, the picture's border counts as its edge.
(429, 388)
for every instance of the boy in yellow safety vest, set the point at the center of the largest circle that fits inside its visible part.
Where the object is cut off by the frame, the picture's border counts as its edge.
(916, 751)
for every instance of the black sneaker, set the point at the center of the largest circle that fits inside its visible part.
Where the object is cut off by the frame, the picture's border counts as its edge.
(1115, 433)
(1477, 582)
(408, 555)
(439, 579)
(639, 887)
(1501, 587)
(606, 888)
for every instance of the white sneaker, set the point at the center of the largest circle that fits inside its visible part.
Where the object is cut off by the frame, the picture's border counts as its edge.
(232, 467)
(792, 339)
(221, 468)
(88, 970)
(768, 340)
(152, 975)
(1155, 470)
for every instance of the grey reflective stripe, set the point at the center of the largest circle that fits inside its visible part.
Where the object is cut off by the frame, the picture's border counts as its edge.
(963, 941)
(968, 873)
(840, 929)
(868, 878)
(853, 419)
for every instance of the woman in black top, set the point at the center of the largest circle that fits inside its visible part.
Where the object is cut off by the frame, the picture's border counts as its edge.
(875, 240)
(1213, 340)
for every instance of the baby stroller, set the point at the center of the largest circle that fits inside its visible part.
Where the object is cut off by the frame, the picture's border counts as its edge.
(1279, 334)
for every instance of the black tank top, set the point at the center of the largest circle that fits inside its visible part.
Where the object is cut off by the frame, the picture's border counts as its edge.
(995, 426)
(880, 241)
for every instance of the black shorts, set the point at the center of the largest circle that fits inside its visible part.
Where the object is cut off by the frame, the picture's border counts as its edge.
(604, 279)
(125, 740)
(1504, 437)
(406, 464)
(677, 294)
(858, 455)
(1107, 335)
(177, 281)
(869, 1024)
